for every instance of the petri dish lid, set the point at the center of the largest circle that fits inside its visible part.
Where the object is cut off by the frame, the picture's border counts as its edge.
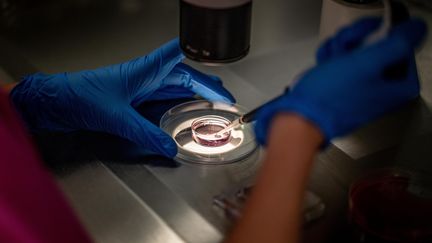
(177, 123)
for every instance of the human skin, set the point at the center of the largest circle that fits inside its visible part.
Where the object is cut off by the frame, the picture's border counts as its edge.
(273, 211)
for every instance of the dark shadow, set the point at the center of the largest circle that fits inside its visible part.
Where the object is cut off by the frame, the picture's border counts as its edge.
(65, 152)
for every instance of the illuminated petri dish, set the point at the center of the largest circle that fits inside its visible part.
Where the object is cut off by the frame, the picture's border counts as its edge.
(204, 128)
(177, 122)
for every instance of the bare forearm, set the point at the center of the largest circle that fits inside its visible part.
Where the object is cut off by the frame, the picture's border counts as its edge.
(273, 212)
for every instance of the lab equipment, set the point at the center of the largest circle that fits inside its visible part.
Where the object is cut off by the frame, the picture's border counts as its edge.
(104, 99)
(246, 118)
(338, 14)
(177, 122)
(394, 13)
(386, 24)
(215, 31)
(391, 205)
(352, 88)
(204, 128)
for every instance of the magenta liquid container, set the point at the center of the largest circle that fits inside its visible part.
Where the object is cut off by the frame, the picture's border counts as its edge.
(391, 206)
(204, 128)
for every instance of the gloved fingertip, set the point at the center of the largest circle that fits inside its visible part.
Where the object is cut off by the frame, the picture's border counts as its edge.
(413, 31)
(347, 39)
(419, 28)
(259, 134)
(360, 28)
(173, 45)
(264, 118)
(216, 79)
(220, 96)
(369, 22)
(228, 98)
(170, 53)
(207, 86)
(322, 53)
(169, 146)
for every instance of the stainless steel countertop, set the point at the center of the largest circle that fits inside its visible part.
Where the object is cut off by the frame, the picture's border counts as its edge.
(120, 200)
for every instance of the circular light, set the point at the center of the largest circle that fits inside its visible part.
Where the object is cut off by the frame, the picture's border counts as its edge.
(190, 125)
(205, 128)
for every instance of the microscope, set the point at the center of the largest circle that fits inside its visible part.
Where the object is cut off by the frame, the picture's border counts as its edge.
(215, 31)
(218, 31)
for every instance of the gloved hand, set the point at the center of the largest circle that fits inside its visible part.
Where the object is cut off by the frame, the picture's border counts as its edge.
(104, 99)
(348, 87)
(347, 39)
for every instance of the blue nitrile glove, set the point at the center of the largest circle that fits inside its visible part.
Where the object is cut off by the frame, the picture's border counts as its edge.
(347, 39)
(104, 99)
(348, 87)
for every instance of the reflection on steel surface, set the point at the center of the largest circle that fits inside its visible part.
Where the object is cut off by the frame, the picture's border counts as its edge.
(233, 204)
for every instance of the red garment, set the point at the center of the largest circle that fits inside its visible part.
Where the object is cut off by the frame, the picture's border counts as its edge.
(32, 208)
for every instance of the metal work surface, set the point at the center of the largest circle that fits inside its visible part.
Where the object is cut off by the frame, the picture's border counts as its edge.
(111, 211)
(144, 200)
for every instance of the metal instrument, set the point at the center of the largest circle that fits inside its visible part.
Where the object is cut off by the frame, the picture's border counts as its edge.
(215, 31)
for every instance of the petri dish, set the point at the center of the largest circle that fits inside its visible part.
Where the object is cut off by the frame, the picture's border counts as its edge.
(204, 129)
(391, 205)
(178, 123)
